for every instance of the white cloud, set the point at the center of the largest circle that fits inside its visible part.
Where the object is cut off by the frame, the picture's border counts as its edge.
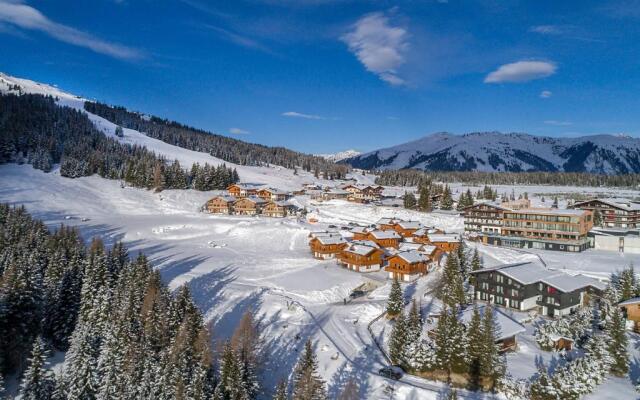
(545, 94)
(379, 46)
(238, 131)
(558, 123)
(521, 71)
(26, 17)
(295, 114)
(546, 29)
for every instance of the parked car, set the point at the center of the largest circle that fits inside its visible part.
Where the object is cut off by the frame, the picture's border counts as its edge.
(332, 226)
(357, 293)
(391, 372)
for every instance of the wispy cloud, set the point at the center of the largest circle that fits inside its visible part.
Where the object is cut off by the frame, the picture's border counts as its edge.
(295, 114)
(238, 39)
(238, 131)
(546, 29)
(558, 123)
(521, 71)
(379, 46)
(545, 94)
(29, 18)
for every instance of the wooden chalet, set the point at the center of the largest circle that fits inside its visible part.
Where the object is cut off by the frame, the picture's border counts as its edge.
(406, 266)
(278, 209)
(361, 257)
(240, 190)
(359, 233)
(248, 205)
(445, 242)
(618, 213)
(271, 194)
(407, 228)
(387, 224)
(631, 310)
(221, 205)
(385, 238)
(333, 194)
(325, 247)
(422, 235)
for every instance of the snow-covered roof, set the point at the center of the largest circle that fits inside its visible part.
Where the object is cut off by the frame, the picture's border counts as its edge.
(444, 237)
(333, 239)
(412, 256)
(428, 249)
(567, 283)
(623, 204)
(314, 234)
(254, 199)
(337, 191)
(385, 234)
(523, 272)
(360, 249)
(228, 199)
(634, 300)
(506, 326)
(358, 229)
(489, 203)
(386, 221)
(366, 243)
(275, 191)
(409, 224)
(549, 211)
(284, 203)
(405, 246)
(246, 186)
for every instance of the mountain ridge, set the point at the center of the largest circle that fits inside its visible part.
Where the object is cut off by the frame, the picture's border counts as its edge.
(508, 152)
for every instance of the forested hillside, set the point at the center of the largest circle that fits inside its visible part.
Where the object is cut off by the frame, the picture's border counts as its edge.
(36, 130)
(228, 149)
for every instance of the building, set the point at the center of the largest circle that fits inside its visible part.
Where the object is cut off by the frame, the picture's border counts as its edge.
(446, 242)
(362, 257)
(220, 205)
(385, 238)
(623, 240)
(242, 190)
(334, 194)
(527, 285)
(278, 209)
(359, 233)
(251, 205)
(631, 310)
(327, 246)
(507, 328)
(614, 213)
(363, 193)
(422, 234)
(386, 224)
(406, 266)
(543, 228)
(271, 194)
(407, 228)
(484, 217)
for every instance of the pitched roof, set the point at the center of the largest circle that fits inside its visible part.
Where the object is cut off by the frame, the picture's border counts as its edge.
(567, 283)
(409, 224)
(385, 234)
(366, 243)
(228, 199)
(623, 204)
(549, 211)
(506, 326)
(358, 229)
(412, 256)
(274, 191)
(254, 199)
(361, 249)
(386, 221)
(634, 300)
(444, 237)
(333, 239)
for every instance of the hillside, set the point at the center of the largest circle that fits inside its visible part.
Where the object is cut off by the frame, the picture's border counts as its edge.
(513, 152)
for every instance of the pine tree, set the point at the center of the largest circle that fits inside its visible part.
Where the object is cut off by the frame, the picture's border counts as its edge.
(451, 395)
(37, 383)
(409, 200)
(281, 392)
(424, 203)
(245, 342)
(452, 289)
(555, 202)
(491, 364)
(414, 324)
(230, 385)
(618, 343)
(447, 201)
(597, 217)
(542, 387)
(395, 304)
(351, 391)
(399, 340)
(307, 383)
(476, 261)
(451, 343)
(476, 340)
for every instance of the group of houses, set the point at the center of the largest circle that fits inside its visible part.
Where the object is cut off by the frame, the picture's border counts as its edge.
(519, 225)
(346, 191)
(244, 199)
(405, 249)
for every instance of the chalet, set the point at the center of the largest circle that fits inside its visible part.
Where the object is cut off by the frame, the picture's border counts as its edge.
(507, 328)
(623, 240)
(528, 285)
(614, 213)
(433, 253)
(242, 190)
(631, 310)
(220, 205)
(446, 242)
(251, 205)
(278, 209)
(361, 257)
(359, 233)
(326, 247)
(273, 194)
(334, 194)
(484, 217)
(385, 238)
(422, 234)
(406, 266)
(314, 234)
(407, 228)
(386, 224)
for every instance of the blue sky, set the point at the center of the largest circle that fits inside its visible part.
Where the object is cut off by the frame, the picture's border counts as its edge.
(327, 75)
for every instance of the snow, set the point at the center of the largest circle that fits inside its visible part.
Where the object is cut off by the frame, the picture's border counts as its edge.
(339, 156)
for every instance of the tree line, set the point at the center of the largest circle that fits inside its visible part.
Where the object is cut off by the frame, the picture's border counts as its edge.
(223, 147)
(412, 177)
(38, 131)
(124, 334)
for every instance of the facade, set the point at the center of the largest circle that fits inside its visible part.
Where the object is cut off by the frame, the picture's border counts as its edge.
(220, 205)
(386, 224)
(359, 233)
(328, 246)
(526, 286)
(248, 205)
(278, 209)
(239, 190)
(631, 310)
(407, 228)
(406, 266)
(446, 242)
(484, 217)
(385, 238)
(615, 213)
(615, 239)
(271, 194)
(361, 257)
(333, 194)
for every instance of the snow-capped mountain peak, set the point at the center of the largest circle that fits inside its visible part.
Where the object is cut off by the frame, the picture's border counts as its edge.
(339, 156)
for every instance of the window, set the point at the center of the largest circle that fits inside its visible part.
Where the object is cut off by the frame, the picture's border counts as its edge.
(515, 304)
(499, 278)
(499, 289)
(550, 300)
(498, 299)
(514, 293)
(540, 286)
(509, 281)
(484, 286)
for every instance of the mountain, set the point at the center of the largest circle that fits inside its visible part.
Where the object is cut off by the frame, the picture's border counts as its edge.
(513, 152)
(339, 156)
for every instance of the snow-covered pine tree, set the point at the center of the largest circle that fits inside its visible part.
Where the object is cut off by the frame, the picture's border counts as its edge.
(395, 304)
(451, 395)
(37, 383)
(350, 391)
(246, 342)
(399, 340)
(492, 364)
(476, 341)
(414, 324)
(463, 263)
(447, 201)
(307, 383)
(452, 289)
(424, 202)
(618, 343)
(542, 387)
(82, 378)
(230, 385)
(281, 392)
(451, 343)
(423, 357)
(409, 200)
